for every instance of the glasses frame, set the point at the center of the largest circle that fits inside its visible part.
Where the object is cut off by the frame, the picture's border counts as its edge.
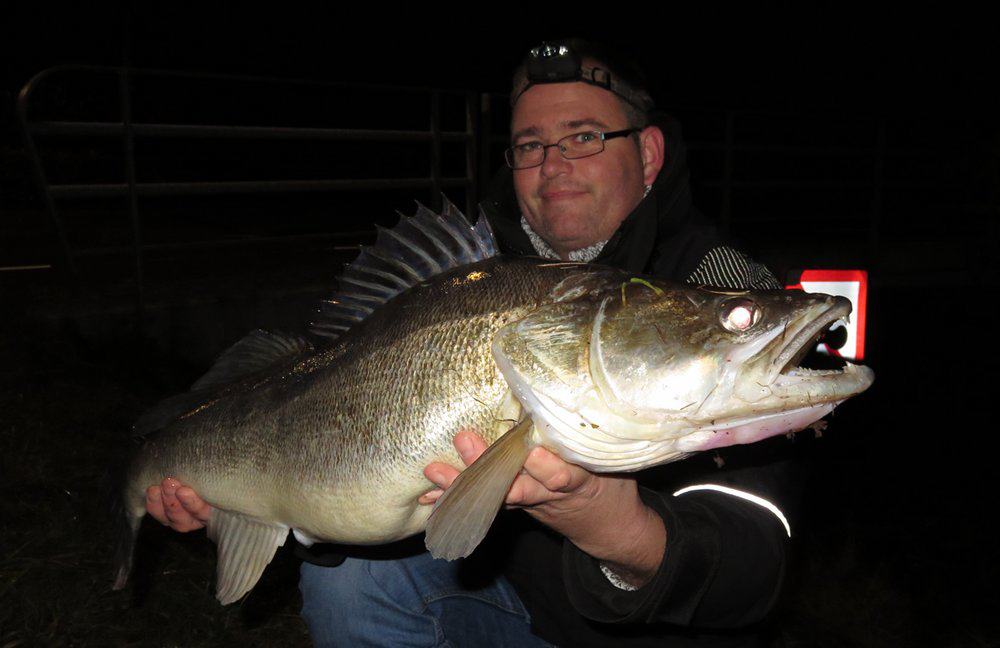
(508, 154)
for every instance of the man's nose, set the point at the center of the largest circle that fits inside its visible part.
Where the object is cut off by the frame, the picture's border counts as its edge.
(554, 163)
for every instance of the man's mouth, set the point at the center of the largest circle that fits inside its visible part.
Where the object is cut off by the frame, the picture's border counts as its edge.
(561, 194)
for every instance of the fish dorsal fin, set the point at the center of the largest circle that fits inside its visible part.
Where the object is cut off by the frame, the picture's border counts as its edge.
(245, 547)
(416, 249)
(255, 353)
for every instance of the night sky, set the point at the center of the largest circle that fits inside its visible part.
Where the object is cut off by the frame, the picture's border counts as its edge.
(825, 56)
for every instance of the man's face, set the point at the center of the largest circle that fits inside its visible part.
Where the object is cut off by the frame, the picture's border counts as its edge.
(572, 204)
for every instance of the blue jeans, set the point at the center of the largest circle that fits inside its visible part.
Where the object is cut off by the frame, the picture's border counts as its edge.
(410, 601)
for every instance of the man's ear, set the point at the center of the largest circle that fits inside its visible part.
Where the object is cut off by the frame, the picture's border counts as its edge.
(651, 148)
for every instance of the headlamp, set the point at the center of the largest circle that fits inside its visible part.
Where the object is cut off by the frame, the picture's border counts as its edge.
(559, 63)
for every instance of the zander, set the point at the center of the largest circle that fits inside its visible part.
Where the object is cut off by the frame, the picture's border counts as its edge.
(433, 332)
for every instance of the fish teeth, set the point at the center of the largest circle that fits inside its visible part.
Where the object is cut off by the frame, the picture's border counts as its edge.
(802, 371)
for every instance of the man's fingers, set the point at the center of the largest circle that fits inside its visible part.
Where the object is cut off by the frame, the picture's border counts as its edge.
(162, 504)
(525, 491)
(469, 445)
(199, 509)
(440, 474)
(154, 505)
(554, 474)
(545, 478)
(430, 496)
(169, 504)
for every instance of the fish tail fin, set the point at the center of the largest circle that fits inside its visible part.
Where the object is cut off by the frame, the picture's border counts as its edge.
(126, 523)
(464, 513)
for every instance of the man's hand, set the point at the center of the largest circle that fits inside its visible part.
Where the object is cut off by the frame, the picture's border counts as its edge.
(601, 514)
(177, 506)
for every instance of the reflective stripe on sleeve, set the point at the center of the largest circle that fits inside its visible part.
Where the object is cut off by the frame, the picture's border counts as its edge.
(750, 497)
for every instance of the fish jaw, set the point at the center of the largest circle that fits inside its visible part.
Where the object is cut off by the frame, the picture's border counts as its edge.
(810, 394)
(810, 387)
(755, 429)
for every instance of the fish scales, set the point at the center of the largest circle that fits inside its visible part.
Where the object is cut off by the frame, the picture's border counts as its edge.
(612, 372)
(344, 430)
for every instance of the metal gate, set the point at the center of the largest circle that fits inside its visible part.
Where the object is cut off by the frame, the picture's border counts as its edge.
(129, 128)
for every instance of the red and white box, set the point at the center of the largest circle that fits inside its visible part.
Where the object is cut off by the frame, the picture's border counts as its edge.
(852, 284)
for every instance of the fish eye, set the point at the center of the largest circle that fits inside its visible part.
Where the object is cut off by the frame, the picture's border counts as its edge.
(739, 315)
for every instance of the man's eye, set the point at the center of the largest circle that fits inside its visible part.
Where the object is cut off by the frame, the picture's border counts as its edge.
(585, 138)
(527, 147)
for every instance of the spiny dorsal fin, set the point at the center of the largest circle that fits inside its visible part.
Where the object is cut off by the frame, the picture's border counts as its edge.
(245, 547)
(257, 352)
(464, 513)
(416, 249)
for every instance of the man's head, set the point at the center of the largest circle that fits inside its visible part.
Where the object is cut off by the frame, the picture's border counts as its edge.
(575, 203)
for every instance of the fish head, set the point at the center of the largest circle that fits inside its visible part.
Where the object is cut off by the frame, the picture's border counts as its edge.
(645, 372)
(720, 365)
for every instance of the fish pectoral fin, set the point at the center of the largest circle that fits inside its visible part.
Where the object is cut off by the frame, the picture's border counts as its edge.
(245, 547)
(464, 513)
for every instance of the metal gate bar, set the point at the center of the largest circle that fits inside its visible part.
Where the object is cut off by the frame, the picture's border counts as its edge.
(129, 130)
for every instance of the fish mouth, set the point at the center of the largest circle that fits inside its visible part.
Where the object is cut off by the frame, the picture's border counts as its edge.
(806, 332)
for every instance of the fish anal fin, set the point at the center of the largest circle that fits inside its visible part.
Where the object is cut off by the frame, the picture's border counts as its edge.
(464, 513)
(245, 547)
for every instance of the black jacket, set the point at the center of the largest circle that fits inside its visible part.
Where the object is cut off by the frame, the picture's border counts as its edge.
(725, 557)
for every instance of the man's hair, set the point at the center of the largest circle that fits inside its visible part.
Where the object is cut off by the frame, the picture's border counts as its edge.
(625, 74)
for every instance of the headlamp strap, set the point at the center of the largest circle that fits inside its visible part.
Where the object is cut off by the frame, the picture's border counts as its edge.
(558, 63)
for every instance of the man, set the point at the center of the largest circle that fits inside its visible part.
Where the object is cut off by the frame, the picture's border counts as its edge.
(612, 559)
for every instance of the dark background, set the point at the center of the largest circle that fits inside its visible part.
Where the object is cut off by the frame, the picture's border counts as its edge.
(894, 549)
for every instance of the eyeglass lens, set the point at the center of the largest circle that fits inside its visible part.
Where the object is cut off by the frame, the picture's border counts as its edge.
(571, 147)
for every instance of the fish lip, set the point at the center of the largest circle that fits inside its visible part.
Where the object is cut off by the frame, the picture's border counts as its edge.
(753, 418)
(806, 335)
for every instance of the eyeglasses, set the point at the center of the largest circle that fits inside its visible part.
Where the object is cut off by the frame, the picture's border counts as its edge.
(571, 147)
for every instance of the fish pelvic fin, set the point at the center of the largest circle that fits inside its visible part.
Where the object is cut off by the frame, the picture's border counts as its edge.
(464, 513)
(245, 547)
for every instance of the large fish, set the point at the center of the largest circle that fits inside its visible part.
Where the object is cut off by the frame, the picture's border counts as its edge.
(431, 333)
